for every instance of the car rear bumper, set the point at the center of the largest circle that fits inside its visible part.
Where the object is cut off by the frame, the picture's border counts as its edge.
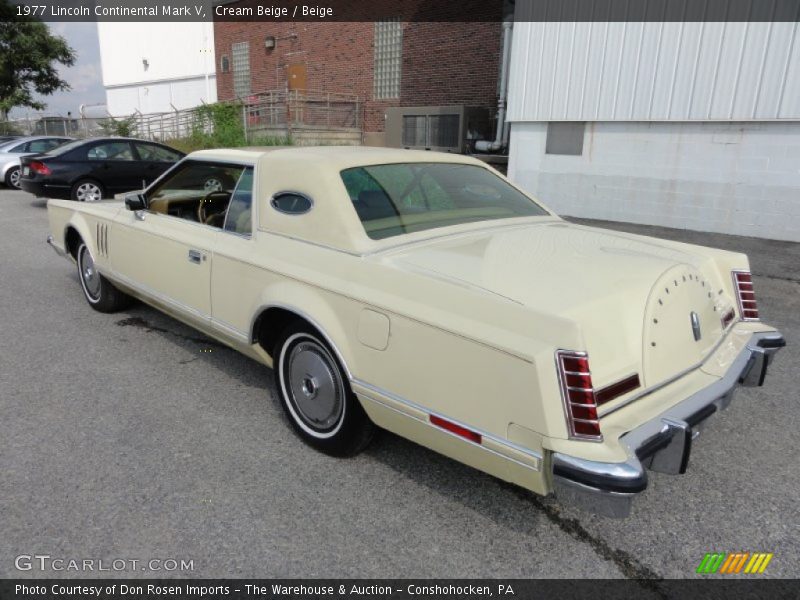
(661, 444)
(41, 189)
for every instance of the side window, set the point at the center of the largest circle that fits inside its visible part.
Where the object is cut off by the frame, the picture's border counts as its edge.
(239, 218)
(196, 191)
(111, 151)
(43, 145)
(291, 203)
(156, 153)
(19, 148)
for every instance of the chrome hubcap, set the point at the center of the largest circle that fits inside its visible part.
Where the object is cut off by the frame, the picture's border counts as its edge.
(14, 178)
(90, 276)
(316, 389)
(88, 192)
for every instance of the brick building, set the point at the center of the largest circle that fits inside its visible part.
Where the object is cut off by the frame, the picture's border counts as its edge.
(385, 63)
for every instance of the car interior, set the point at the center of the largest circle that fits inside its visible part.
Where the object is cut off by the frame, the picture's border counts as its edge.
(217, 195)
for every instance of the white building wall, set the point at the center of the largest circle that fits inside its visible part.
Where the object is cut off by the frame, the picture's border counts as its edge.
(737, 178)
(179, 70)
(596, 71)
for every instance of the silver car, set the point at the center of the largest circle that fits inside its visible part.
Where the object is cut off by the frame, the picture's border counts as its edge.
(11, 151)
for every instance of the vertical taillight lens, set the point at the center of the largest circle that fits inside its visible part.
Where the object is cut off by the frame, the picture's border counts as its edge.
(578, 393)
(743, 286)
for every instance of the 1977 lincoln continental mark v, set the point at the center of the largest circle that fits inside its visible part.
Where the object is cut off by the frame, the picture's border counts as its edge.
(426, 294)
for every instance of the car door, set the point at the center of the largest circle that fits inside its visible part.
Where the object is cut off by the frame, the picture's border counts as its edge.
(165, 251)
(232, 277)
(114, 164)
(155, 159)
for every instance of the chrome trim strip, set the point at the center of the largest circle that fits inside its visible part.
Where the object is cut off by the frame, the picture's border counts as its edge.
(400, 400)
(180, 306)
(51, 241)
(654, 388)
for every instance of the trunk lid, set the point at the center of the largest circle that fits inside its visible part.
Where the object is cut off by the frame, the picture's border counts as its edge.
(633, 298)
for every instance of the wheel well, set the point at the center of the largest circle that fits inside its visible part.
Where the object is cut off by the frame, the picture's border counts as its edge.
(271, 323)
(73, 241)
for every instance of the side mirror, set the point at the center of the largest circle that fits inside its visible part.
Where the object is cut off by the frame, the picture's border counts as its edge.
(135, 202)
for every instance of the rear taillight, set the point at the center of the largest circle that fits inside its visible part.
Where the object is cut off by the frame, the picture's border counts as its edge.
(743, 285)
(39, 168)
(578, 394)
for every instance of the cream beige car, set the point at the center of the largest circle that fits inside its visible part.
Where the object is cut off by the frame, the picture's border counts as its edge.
(425, 294)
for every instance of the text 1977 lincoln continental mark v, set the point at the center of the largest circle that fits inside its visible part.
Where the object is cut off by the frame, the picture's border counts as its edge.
(426, 294)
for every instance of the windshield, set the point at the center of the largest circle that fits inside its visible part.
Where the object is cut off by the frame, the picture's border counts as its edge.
(403, 198)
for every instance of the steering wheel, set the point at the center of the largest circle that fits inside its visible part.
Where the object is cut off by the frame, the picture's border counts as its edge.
(205, 201)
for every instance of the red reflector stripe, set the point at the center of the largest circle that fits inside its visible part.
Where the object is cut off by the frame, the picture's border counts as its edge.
(726, 320)
(576, 364)
(615, 390)
(579, 381)
(456, 429)
(583, 412)
(581, 397)
(743, 277)
(591, 428)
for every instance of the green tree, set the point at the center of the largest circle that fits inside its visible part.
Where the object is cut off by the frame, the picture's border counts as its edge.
(29, 54)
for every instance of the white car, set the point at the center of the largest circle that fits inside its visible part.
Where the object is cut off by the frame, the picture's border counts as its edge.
(12, 151)
(424, 293)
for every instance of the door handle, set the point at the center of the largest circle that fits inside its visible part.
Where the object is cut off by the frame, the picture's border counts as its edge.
(196, 256)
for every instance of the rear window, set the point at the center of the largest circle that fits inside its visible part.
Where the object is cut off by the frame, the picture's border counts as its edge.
(394, 199)
(64, 148)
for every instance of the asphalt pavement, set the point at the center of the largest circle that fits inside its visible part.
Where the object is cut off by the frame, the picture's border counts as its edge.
(133, 437)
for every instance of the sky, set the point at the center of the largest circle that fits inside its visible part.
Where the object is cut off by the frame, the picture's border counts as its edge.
(85, 76)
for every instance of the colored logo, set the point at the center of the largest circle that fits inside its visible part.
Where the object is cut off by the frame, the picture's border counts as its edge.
(734, 563)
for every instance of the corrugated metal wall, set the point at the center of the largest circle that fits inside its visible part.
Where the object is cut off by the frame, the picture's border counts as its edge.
(600, 71)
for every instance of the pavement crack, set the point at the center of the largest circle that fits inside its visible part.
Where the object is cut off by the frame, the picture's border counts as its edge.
(141, 323)
(628, 565)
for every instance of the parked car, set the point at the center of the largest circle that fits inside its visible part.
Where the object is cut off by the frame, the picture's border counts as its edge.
(8, 138)
(426, 294)
(96, 168)
(12, 150)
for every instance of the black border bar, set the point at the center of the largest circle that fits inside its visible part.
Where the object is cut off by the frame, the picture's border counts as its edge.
(310, 11)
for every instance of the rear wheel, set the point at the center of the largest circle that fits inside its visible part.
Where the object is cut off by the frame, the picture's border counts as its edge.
(87, 190)
(12, 178)
(99, 292)
(316, 396)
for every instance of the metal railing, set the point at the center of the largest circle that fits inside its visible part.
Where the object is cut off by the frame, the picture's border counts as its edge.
(273, 111)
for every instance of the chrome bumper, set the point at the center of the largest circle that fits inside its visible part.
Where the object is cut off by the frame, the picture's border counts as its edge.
(662, 444)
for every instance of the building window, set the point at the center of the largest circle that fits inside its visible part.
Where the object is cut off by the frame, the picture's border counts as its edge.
(241, 69)
(388, 58)
(565, 137)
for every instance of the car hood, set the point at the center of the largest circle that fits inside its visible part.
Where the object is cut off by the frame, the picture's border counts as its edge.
(609, 283)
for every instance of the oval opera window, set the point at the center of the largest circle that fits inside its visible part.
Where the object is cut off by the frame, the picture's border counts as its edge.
(291, 203)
